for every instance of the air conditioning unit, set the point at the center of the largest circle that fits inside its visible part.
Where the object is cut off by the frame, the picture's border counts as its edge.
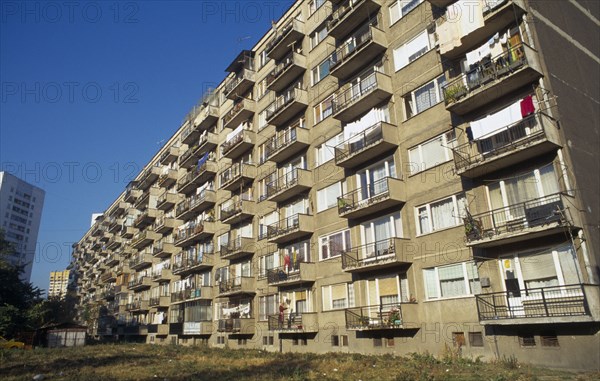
(485, 282)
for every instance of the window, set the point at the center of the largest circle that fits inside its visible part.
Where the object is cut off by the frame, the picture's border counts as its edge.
(389, 342)
(220, 339)
(339, 340)
(373, 180)
(263, 59)
(262, 119)
(321, 71)
(377, 342)
(461, 279)
(268, 340)
(261, 91)
(327, 197)
(326, 151)
(441, 214)
(424, 97)
(476, 339)
(526, 340)
(268, 262)
(268, 306)
(324, 109)
(431, 153)
(314, 5)
(400, 8)
(549, 339)
(318, 35)
(333, 245)
(337, 296)
(413, 49)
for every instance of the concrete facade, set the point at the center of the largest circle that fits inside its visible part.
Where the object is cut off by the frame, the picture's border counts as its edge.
(405, 181)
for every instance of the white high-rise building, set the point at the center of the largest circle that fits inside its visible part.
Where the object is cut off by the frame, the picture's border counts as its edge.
(21, 207)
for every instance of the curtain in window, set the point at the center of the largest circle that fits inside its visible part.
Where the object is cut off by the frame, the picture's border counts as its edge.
(433, 152)
(539, 270)
(424, 220)
(568, 264)
(431, 289)
(549, 180)
(425, 97)
(473, 276)
(378, 187)
(443, 214)
(452, 282)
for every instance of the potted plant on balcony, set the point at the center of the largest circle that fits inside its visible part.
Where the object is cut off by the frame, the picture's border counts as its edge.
(394, 318)
(455, 92)
(472, 228)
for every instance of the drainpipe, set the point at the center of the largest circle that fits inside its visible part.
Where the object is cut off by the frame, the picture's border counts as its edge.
(586, 259)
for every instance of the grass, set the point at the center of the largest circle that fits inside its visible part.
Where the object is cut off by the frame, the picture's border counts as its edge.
(175, 363)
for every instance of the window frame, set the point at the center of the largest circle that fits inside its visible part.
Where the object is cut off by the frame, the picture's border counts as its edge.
(446, 144)
(438, 93)
(456, 207)
(399, 4)
(346, 233)
(435, 272)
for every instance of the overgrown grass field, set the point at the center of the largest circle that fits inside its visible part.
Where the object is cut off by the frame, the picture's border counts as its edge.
(174, 363)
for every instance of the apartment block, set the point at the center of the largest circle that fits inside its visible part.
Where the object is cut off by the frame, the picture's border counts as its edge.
(21, 207)
(376, 177)
(59, 283)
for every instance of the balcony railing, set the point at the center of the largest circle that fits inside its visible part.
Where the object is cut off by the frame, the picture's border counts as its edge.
(285, 226)
(196, 175)
(298, 271)
(243, 76)
(371, 137)
(286, 138)
(354, 93)
(192, 263)
(544, 302)
(240, 208)
(293, 322)
(523, 134)
(491, 79)
(237, 172)
(277, 112)
(191, 232)
(384, 316)
(290, 68)
(236, 325)
(374, 193)
(380, 253)
(240, 284)
(516, 219)
(238, 144)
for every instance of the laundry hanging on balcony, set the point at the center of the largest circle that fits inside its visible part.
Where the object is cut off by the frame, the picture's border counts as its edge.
(493, 122)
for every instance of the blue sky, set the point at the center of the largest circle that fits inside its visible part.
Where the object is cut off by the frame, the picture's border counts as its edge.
(90, 90)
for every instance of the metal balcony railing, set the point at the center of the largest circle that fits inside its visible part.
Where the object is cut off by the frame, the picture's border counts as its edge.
(283, 100)
(351, 46)
(286, 181)
(544, 302)
(374, 317)
(371, 253)
(364, 196)
(352, 94)
(358, 142)
(285, 322)
(282, 139)
(517, 217)
(284, 226)
(189, 262)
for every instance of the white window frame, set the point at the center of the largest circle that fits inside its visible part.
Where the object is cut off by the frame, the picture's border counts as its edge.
(324, 240)
(435, 272)
(315, 5)
(315, 37)
(349, 290)
(400, 3)
(315, 73)
(413, 99)
(322, 194)
(319, 113)
(329, 147)
(457, 219)
(400, 51)
(449, 141)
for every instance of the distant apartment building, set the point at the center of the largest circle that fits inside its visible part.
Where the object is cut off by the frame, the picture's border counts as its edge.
(59, 282)
(376, 177)
(21, 207)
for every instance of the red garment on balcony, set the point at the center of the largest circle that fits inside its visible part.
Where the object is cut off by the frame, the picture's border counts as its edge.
(527, 107)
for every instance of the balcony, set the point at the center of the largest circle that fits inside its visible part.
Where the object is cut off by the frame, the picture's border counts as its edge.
(141, 202)
(166, 200)
(145, 218)
(200, 293)
(287, 143)
(238, 248)
(160, 301)
(131, 194)
(138, 305)
(163, 248)
(169, 156)
(375, 255)
(191, 264)
(115, 225)
(142, 239)
(165, 224)
(158, 329)
(354, 54)
(128, 231)
(190, 133)
(441, 3)
(195, 204)
(286, 71)
(237, 326)
(140, 261)
(522, 221)
(191, 235)
(491, 80)
(528, 138)
(140, 284)
(114, 242)
(168, 178)
(197, 176)
(283, 41)
(238, 211)
(576, 303)
(353, 101)
(237, 286)
(237, 145)
(237, 175)
(206, 143)
(306, 322)
(164, 275)
(291, 228)
(375, 197)
(240, 84)
(287, 105)
(350, 15)
(495, 17)
(239, 113)
(108, 277)
(148, 177)
(379, 317)
(367, 145)
(112, 260)
(294, 274)
(291, 184)
(207, 117)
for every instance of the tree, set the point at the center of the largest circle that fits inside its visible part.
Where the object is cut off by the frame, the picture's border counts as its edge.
(17, 297)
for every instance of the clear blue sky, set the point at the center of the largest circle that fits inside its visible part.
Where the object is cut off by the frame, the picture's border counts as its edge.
(90, 90)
